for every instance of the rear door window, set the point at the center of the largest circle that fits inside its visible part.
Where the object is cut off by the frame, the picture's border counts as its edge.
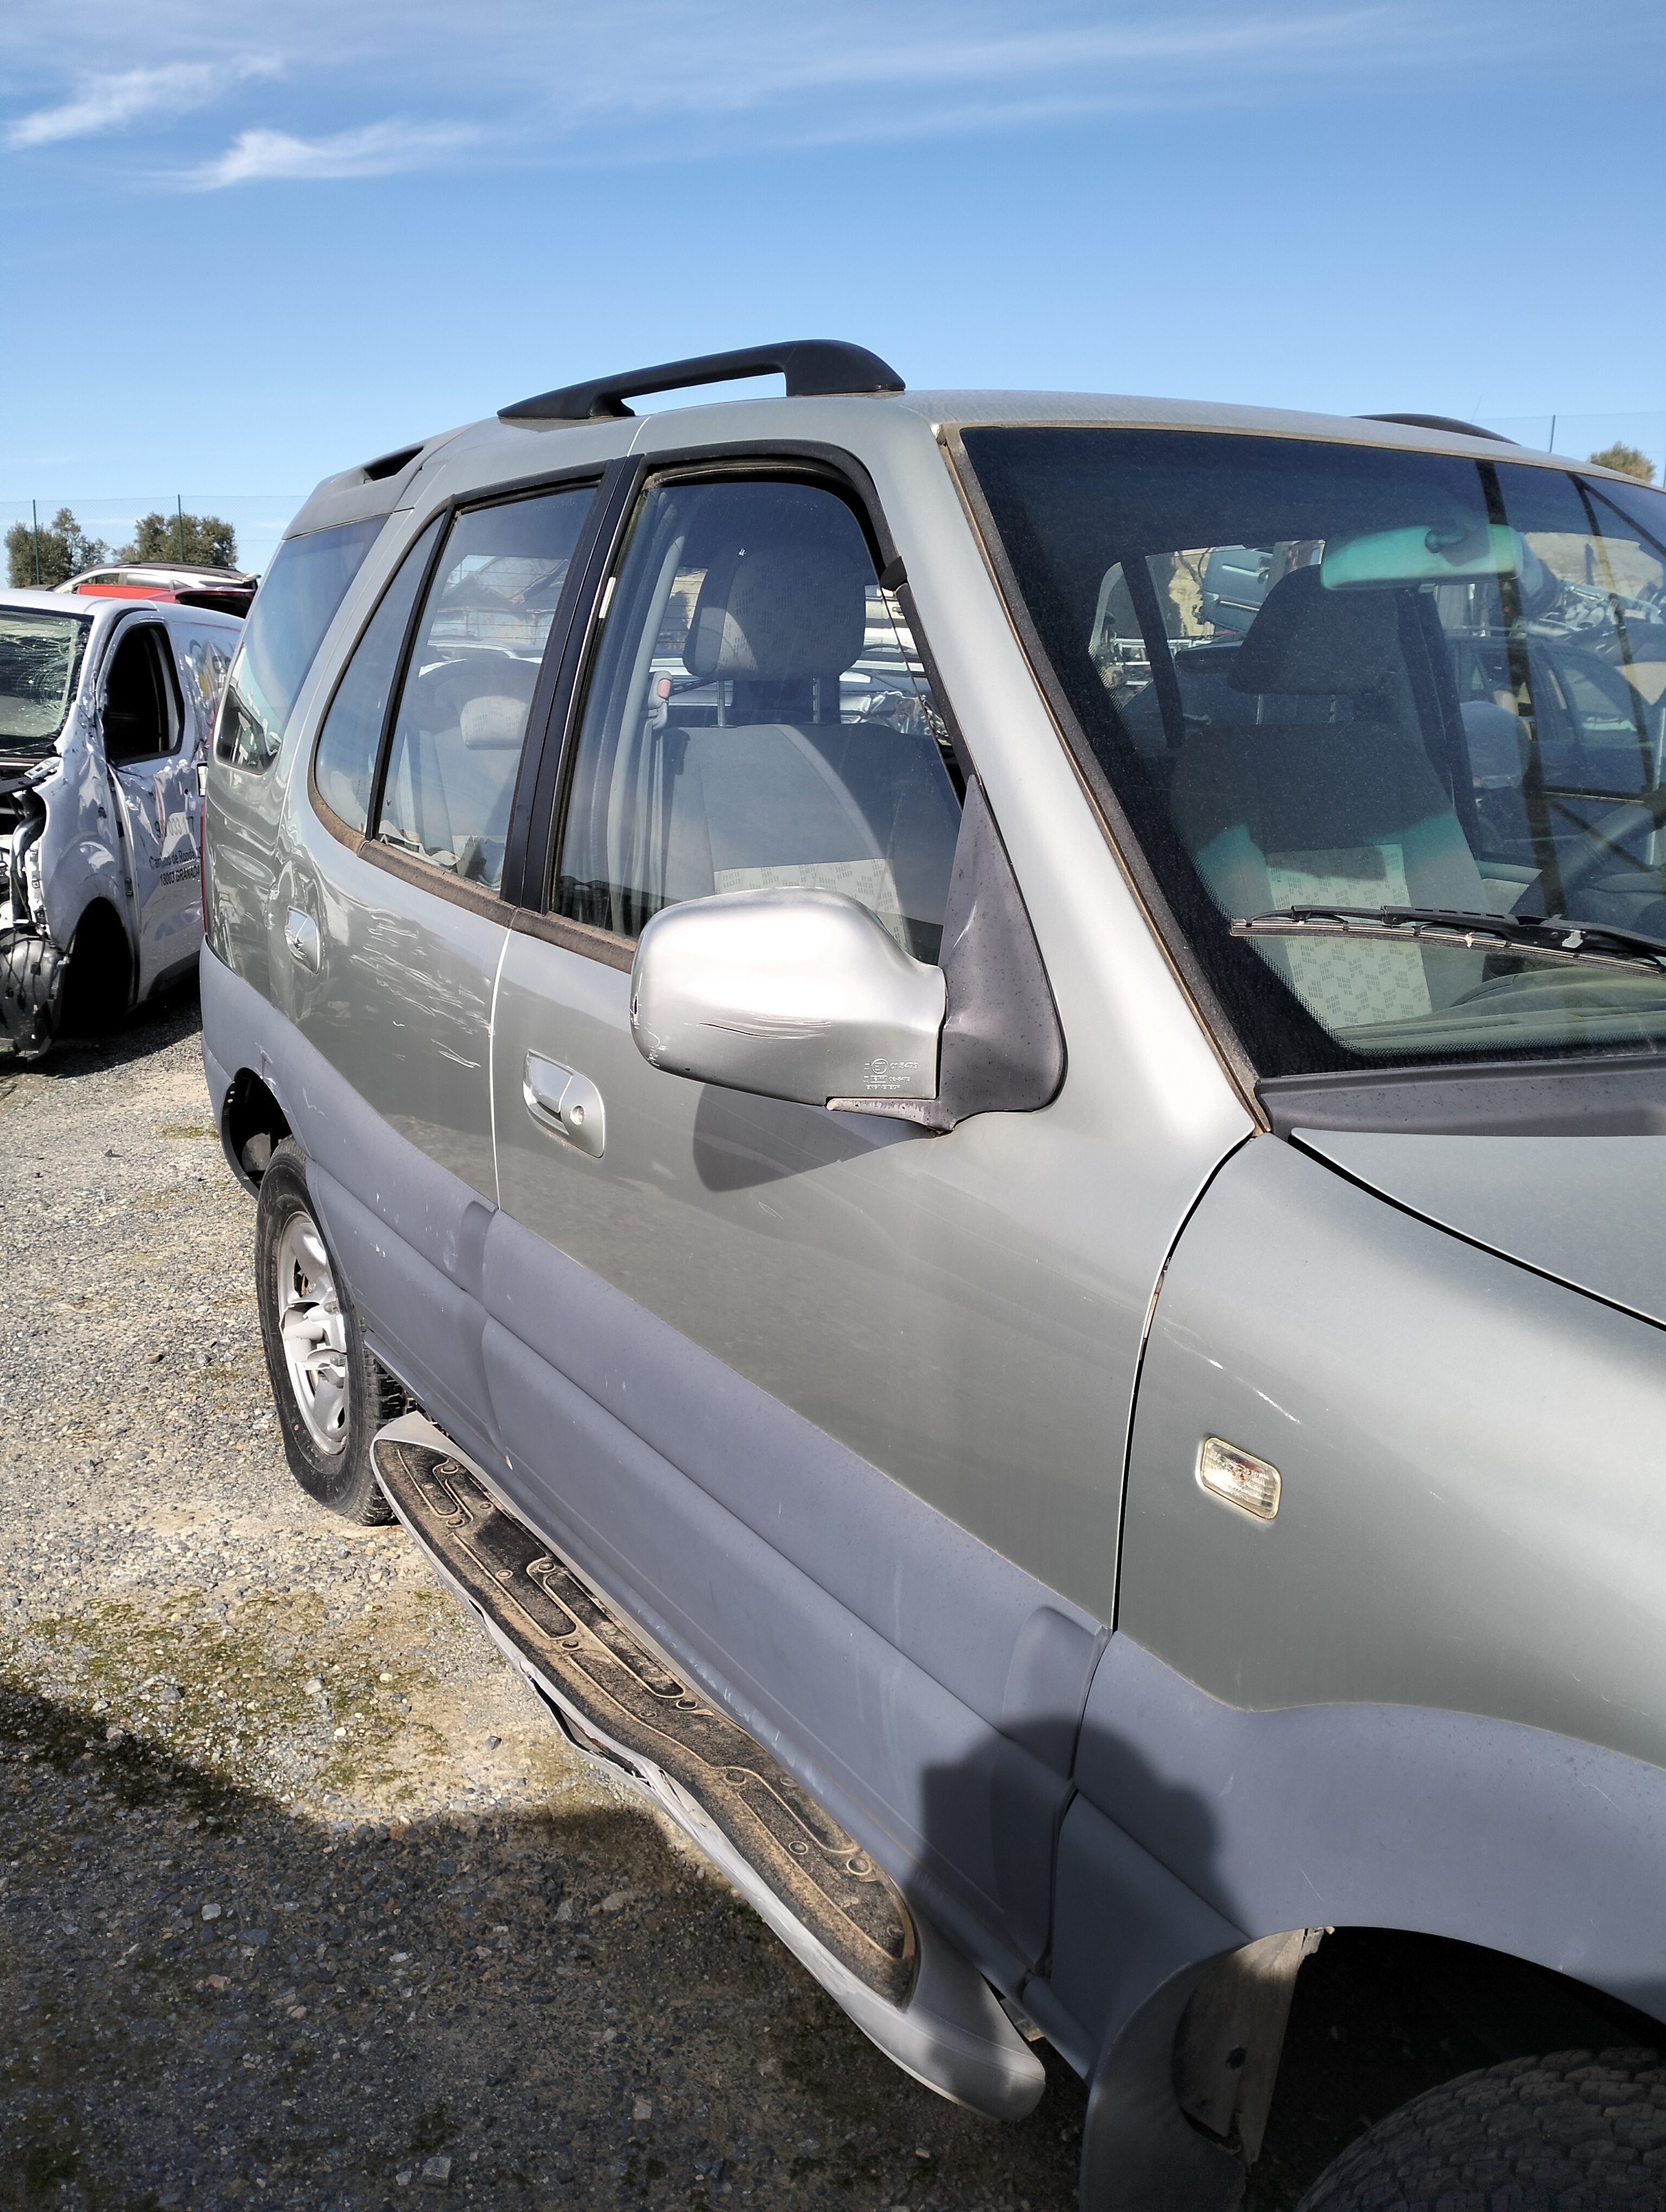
(344, 764)
(473, 666)
(204, 655)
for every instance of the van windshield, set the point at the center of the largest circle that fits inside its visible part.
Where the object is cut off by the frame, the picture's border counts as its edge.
(40, 657)
(1373, 716)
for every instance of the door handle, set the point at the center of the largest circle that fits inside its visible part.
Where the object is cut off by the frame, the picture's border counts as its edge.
(301, 935)
(566, 1104)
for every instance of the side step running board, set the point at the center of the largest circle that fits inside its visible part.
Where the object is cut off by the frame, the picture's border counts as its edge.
(616, 1700)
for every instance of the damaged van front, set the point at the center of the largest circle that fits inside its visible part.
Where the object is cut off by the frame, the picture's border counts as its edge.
(104, 716)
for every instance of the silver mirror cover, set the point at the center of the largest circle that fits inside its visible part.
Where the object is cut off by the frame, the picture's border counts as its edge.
(798, 994)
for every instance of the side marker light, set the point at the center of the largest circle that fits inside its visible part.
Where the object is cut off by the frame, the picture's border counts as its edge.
(1239, 1477)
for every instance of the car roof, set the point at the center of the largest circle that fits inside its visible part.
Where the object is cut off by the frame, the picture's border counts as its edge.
(162, 572)
(44, 598)
(529, 437)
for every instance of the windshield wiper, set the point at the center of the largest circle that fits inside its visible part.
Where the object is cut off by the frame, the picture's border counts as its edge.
(1550, 937)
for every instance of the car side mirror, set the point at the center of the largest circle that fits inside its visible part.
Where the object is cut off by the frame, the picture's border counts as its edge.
(795, 994)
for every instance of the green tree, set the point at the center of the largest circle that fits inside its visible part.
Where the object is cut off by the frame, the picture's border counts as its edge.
(207, 540)
(61, 548)
(1627, 460)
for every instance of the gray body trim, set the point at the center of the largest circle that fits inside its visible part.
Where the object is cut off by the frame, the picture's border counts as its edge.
(921, 1672)
(1388, 1816)
(1199, 1826)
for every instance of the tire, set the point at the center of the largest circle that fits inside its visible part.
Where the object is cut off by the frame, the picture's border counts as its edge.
(1577, 2129)
(332, 1396)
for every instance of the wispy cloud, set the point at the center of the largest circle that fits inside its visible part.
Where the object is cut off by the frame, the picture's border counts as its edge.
(558, 84)
(111, 103)
(379, 150)
(921, 52)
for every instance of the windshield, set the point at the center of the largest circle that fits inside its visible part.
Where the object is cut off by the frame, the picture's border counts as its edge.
(1322, 677)
(295, 604)
(40, 661)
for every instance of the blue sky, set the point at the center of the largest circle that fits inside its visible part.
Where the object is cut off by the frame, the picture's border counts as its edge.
(245, 248)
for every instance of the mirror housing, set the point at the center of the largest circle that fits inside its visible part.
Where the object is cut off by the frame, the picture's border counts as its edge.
(795, 994)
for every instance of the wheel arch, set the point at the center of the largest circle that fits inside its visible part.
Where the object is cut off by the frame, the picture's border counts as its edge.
(1199, 1830)
(251, 1124)
(101, 926)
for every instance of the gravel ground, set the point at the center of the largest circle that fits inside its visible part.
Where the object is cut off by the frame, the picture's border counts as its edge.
(301, 1900)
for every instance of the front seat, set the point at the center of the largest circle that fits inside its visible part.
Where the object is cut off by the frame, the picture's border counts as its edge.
(780, 794)
(1324, 792)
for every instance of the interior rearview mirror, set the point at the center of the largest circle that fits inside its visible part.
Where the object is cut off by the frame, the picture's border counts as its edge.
(797, 994)
(1459, 550)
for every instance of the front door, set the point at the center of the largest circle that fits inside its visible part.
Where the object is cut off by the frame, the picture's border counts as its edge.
(153, 770)
(824, 1393)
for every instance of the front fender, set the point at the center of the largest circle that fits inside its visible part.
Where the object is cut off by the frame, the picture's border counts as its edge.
(80, 860)
(81, 874)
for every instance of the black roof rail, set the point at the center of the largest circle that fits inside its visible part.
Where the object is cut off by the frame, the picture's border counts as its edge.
(813, 367)
(1440, 422)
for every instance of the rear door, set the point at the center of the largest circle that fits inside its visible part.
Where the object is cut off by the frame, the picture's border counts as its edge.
(825, 1396)
(391, 924)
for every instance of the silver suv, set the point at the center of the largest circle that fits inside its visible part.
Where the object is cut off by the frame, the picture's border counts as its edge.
(961, 1095)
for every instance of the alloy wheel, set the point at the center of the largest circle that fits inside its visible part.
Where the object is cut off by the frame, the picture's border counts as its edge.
(314, 1333)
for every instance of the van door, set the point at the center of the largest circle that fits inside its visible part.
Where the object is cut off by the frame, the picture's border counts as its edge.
(142, 722)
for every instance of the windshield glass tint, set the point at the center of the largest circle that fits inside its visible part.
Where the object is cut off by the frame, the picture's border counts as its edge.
(293, 607)
(39, 660)
(1323, 677)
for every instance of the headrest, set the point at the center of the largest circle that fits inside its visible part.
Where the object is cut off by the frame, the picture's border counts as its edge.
(1308, 639)
(491, 723)
(778, 611)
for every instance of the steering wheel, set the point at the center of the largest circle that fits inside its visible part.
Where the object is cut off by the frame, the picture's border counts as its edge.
(1601, 854)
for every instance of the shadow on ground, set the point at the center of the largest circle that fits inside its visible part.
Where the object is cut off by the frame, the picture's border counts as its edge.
(160, 1022)
(211, 2001)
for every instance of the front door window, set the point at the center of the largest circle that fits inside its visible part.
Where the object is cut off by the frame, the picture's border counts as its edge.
(141, 701)
(758, 720)
(143, 722)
